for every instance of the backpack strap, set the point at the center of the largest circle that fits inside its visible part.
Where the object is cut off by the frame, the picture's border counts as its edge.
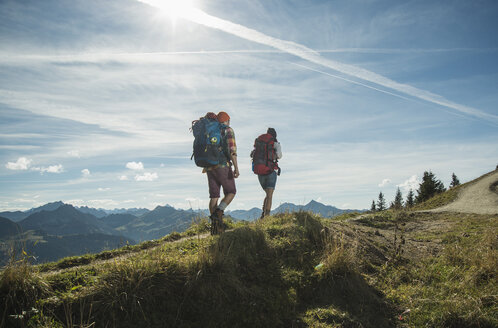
(224, 144)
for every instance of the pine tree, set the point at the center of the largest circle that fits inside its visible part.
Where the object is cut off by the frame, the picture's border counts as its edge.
(373, 208)
(381, 203)
(410, 201)
(429, 187)
(398, 200)
(454, 181)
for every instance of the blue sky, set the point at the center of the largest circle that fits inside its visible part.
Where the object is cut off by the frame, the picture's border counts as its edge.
(97, 97)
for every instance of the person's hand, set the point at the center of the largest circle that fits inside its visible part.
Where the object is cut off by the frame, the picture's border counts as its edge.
(236, 173)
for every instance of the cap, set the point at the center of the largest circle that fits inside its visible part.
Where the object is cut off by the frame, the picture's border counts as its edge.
(223, 117)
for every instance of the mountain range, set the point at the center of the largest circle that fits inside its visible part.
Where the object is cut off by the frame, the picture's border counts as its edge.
(57, 230)
(313, 206)
(17, 216)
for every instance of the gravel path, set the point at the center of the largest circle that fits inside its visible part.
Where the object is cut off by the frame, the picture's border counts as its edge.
(480, 197)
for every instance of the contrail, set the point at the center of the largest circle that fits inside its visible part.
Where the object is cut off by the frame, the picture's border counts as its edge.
(124, 56)
(351, 81)
(197, 16)
(369, 86)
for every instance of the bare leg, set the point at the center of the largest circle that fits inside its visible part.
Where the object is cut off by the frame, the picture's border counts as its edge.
(228, 198)
(267, 202)
(213, 203)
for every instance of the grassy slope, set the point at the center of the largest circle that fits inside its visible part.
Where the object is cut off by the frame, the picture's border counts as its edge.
(290, 270)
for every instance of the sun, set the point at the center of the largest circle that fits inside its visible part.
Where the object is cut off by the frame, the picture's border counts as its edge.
(174, 8)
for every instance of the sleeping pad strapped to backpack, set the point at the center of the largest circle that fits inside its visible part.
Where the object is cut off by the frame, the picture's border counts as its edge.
(264, 157)
(208, 142)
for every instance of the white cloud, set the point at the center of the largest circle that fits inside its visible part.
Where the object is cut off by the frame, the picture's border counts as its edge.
(146, 177)
(104, 189)
(412, 183)
(22, 163)
(135, 166)
(384, 182)
(123, 178)
(85, 172)
(74, 153)
(55, 169)
(51, 169)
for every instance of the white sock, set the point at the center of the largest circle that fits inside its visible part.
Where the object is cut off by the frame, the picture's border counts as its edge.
(222, 206)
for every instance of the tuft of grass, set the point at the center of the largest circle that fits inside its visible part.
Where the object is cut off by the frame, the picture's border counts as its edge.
(339, 258)
(20, 288)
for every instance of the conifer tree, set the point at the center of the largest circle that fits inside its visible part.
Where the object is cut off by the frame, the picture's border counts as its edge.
(373, 208)
(429, 187)
(398, 200)
(410, 201)
(381, 203)
(454, 181)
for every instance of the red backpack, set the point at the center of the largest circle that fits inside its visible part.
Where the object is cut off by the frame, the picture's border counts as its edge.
(264, 156)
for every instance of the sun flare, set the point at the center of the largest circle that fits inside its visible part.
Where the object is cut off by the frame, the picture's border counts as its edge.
(174, 8)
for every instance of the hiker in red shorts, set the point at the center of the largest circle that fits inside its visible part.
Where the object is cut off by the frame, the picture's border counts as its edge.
(221, 175)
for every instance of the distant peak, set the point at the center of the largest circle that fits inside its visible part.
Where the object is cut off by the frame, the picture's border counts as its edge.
(55, 204)
(65, 206)
(314, 203)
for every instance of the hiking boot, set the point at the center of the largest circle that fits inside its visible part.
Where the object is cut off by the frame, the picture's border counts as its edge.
(217, 226)
(214, 227)
(222, 226)
(217, 214)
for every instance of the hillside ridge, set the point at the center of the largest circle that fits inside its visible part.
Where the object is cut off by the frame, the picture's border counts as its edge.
(478, 197)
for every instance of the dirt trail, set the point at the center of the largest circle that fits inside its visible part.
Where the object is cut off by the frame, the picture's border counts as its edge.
(480, 197)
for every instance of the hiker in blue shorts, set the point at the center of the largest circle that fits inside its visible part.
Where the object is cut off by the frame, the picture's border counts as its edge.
(267, 151)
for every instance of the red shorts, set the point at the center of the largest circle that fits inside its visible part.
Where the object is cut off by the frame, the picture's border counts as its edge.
(221, 177)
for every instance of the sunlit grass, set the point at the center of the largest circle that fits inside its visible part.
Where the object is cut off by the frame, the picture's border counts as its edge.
(293, 269)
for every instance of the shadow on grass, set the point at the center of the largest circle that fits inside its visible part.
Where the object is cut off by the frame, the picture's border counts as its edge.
(347, 301)
(236, 283)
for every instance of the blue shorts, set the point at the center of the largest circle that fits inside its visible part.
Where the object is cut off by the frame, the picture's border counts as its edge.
(268, 181)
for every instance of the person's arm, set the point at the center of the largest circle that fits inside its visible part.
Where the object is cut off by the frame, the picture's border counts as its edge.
(233, 157)
(232, 148)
